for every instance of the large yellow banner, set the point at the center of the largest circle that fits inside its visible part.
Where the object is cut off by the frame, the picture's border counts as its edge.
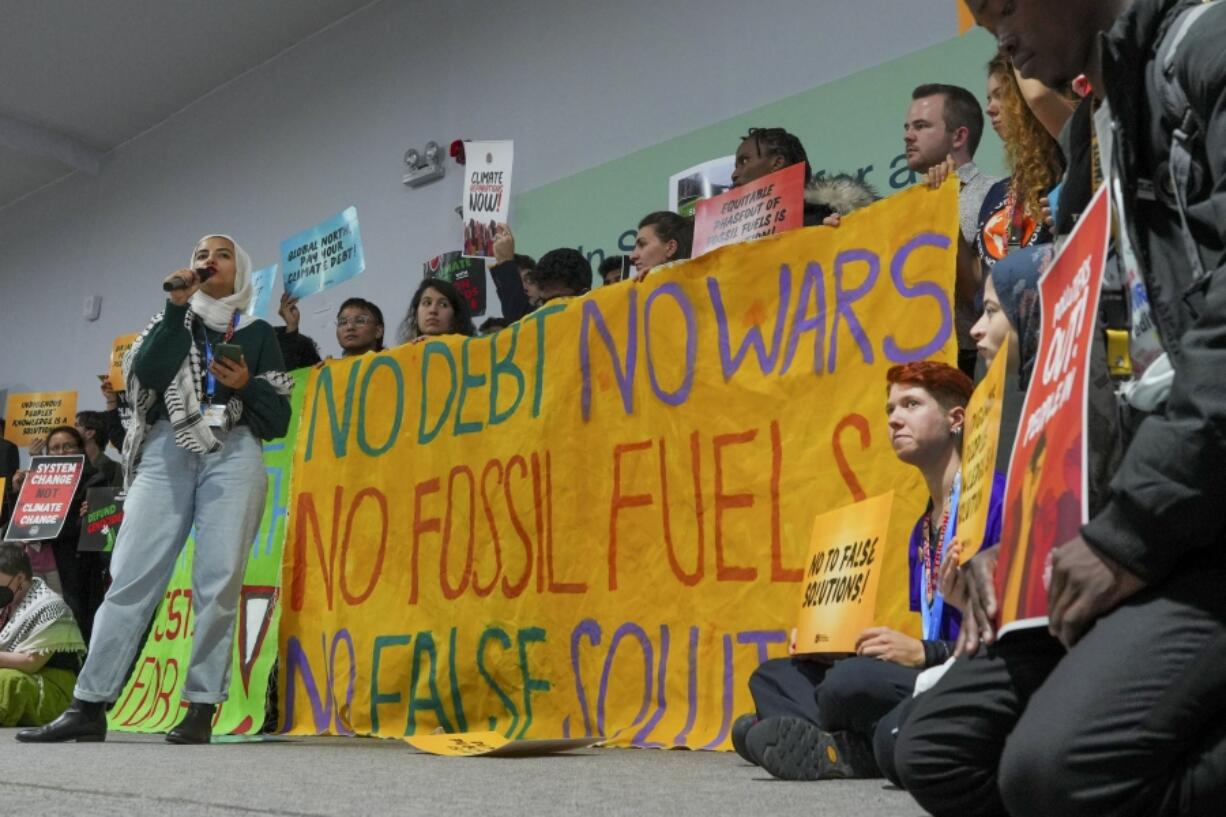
(595, 521)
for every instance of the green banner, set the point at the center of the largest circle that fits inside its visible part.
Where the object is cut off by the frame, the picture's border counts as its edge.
(150, 700)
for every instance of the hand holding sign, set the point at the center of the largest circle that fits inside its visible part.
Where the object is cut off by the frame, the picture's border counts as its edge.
(978, 604)
(289, 312)
(504, 244)
(938, 173)
(890, 645)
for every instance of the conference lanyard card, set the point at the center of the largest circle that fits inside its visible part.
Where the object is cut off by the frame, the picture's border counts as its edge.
(214, 415)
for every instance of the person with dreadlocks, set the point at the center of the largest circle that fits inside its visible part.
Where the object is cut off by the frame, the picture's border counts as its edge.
(765, 150)
(207, 383)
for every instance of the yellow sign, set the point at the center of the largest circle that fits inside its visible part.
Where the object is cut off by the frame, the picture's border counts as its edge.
(980, 441)
(493, 744)
(838, 598)
(31, 415)
(119, 348)
(595, 521)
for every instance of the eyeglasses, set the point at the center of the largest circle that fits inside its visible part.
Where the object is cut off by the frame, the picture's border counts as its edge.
(67, 448)
(359, 320)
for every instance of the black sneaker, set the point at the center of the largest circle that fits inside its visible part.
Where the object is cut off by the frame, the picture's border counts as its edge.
(794, 749)
(740, 734)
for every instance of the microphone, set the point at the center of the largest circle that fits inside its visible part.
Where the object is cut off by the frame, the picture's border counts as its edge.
(202, 275)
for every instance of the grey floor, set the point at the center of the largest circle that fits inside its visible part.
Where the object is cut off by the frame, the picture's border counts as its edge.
(133, 775)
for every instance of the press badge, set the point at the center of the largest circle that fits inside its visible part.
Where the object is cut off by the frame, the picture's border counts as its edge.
(214, 415)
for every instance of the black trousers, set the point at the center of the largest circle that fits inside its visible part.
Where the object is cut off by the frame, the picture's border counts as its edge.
(851, 695)
(785, 686)
(1132, 721)
(885, 739)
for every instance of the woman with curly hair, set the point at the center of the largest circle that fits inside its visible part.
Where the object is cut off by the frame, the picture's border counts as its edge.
(437, 308)
(1013, 214)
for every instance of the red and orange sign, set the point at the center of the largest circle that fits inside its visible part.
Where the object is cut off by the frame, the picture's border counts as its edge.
(770, 205)
(1045, 500)
(45, 500)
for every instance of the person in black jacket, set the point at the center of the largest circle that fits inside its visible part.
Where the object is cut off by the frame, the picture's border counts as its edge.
(1128, 721)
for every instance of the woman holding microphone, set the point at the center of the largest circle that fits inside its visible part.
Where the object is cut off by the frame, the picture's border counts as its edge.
(208, 383)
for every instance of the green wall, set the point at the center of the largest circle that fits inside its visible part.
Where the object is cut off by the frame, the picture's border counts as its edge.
(850, 125)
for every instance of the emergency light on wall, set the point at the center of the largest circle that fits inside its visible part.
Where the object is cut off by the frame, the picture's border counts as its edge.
(425, 165)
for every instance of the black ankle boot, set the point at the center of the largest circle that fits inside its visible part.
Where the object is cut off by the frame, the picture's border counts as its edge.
(196, 726)
(82, 721)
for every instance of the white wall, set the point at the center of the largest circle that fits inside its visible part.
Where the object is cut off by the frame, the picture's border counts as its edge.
(574, 82)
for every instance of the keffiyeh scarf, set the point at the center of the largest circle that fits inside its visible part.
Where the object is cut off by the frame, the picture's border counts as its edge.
(42, 623)
(182, 397)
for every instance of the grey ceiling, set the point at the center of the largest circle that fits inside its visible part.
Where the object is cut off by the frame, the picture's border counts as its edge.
(81, 78)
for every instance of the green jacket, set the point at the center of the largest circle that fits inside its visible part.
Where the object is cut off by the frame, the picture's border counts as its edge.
(265, 412)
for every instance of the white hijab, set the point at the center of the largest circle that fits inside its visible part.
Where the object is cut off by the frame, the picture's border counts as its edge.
(217, 313)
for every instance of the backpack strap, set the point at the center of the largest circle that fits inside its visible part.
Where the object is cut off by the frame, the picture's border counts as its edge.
(1175, 101)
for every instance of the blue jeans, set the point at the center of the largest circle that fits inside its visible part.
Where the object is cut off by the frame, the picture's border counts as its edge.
(222, 494)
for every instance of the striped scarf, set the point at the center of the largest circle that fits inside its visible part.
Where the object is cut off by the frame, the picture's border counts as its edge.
(182, 398)
(32, 623)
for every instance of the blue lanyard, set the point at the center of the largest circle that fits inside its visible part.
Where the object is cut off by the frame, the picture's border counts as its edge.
(931, 613)
(210, 382)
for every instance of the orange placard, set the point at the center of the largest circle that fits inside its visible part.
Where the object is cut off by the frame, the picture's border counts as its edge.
(32, 415)
(119, 348)
(979, 445)
(839, 595)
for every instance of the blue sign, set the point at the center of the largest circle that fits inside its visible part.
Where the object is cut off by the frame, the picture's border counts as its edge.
(261, 291)
(323, 256)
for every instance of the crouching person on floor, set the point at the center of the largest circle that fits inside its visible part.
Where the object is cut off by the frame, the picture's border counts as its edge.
(816, 717)
(40, 645)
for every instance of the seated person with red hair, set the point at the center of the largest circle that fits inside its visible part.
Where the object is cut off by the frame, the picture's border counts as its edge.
(816, 719)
